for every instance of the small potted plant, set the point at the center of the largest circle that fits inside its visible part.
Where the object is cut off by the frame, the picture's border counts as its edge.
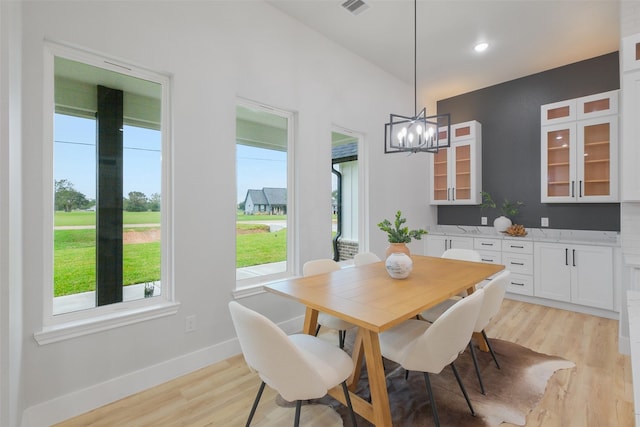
(508, 209)
(399, 235)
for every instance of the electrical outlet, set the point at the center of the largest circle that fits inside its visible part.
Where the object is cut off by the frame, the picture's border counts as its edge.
(544, 222)
(190, 323)
(483, 220)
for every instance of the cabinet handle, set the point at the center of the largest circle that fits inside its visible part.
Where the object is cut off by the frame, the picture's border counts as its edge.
(580, 189)
(566, 256)
(448, 194)
(453, 194)
(574, 257)
(487, 260)
(573, 189)
(516, 247)
(517, 284)
(516, 263)
(486, 244)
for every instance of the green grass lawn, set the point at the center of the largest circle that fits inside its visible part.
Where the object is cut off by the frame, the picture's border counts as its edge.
(75, 262)
(62, 219)
(75, 253)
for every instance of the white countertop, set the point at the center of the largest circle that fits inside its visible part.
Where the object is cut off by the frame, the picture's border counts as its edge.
(603, 238)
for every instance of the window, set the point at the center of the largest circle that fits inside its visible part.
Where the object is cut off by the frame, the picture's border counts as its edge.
(345, 195)
(264, 193)
(109, 148)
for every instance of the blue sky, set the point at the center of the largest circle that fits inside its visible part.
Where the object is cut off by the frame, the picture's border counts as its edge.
(75, 158)
(257, 168)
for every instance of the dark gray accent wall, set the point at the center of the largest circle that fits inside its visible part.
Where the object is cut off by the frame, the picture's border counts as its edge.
(510, 117)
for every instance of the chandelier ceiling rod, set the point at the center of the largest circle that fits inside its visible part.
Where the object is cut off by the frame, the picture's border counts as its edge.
(420, 133)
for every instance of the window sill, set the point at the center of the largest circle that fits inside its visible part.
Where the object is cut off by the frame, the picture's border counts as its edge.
(78, 328)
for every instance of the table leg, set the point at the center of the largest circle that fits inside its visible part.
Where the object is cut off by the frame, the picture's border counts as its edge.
(378, 411)
(482, 344)
(357, 354)
(310, 321)
(377, 382)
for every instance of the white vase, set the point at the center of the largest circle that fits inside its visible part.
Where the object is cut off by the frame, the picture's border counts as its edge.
(399, 265)
(501, 223)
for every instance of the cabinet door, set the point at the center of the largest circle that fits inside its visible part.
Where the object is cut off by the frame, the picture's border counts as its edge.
(461, 172)
(440, 193)
(601, 104)
(456, 172)
(435, 245)
(597, 154)
(558, 112)
(592, 276)
(552, 278)
(558, 163)
(460, 243)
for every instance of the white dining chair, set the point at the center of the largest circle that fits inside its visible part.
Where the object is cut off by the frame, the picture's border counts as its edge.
(299, 367)
(429, 347)
(459, 254)
(365, 258)
(320, 266)
(494, 292)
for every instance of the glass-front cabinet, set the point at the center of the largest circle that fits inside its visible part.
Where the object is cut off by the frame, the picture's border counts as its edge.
(579, 150)
(456, 172)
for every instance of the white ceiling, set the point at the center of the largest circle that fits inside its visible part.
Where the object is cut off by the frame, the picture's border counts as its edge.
(525, 37)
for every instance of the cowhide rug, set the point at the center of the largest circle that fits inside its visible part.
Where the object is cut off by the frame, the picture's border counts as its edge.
(511, 392)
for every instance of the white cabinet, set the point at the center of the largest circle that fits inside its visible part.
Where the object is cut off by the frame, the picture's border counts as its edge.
(436, 245)
(456, 172)
(579, 150)
(489, 249)
(517, 256)
(579, 274)
(630, 146)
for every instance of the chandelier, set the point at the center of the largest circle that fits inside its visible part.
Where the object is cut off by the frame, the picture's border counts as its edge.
(420, 133)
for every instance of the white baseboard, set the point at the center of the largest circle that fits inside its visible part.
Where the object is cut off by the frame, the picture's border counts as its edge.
(78, 402)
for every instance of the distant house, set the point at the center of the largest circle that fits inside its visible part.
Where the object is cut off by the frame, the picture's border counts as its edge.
(268, 201)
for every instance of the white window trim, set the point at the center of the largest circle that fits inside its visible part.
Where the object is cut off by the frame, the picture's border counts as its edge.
(254, 285)
(363, 186)
(75, 324)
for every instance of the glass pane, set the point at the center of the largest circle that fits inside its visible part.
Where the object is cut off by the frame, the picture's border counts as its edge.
(131, 130)
(261, 182)
(556, 113)
(558, 184)
(463, 172)
(596, 160)
(597, 105)
(440, 175)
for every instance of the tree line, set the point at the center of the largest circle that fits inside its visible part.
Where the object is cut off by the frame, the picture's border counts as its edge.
(68, 199)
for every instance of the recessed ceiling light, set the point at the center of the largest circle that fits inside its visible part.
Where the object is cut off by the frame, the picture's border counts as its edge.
(481, 47)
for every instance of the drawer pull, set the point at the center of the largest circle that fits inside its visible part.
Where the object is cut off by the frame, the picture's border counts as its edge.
(516, 263)
(517, 284)
(486, 244)
(487, 260)
(516, 247)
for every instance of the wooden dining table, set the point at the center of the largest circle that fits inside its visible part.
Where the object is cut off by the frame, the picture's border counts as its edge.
(369, 298)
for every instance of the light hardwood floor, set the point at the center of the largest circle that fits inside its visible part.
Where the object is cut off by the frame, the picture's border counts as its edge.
(598, 392)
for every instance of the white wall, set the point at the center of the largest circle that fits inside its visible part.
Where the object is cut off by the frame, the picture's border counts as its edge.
(215, 51)
(10, 216)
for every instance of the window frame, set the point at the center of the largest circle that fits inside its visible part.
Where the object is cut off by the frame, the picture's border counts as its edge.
(253, 285)
(73, 324)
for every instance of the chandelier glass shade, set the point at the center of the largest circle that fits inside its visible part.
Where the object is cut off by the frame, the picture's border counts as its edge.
(420, 133)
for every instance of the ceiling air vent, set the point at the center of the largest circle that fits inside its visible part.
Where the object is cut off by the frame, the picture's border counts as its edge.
(355, 6)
